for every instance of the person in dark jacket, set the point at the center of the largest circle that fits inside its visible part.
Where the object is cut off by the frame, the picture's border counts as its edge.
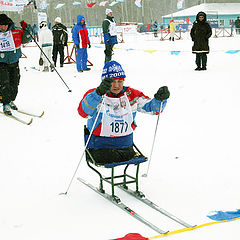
(200, 33)
(109, 34)
(11, 39)
(237, 25)
(60, 38)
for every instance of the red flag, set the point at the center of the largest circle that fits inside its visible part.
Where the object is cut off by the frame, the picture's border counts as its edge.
(90, 4)
(132, 236)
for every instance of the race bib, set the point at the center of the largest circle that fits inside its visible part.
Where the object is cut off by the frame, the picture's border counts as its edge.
(6, 42)
(117, 117)
(112, 28)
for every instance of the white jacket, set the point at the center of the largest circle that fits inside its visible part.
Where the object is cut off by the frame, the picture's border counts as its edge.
(45, 37)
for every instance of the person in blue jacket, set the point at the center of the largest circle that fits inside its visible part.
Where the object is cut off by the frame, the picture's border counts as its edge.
(81, 41)
(109, 34)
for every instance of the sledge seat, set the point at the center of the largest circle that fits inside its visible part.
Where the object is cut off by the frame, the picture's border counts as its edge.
(123, 179)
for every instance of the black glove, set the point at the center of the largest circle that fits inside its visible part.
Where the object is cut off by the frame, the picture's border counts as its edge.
(89, 45)
(105, 86)
(23, 24)
(162, 93)
(65, 44)
(77, 47)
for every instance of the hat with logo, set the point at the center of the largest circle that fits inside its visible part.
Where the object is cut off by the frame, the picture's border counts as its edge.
(113, 70)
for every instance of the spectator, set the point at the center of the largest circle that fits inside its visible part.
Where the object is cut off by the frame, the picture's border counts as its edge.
(35, 32)
(81, 41)
(110, 34)
(155, 28)
(237, 25)
(60, 38)
(200, 33)
(172, 30)
(10, 52)
(46, 43)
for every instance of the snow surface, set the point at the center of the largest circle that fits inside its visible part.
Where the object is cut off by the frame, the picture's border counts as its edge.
(195, 164)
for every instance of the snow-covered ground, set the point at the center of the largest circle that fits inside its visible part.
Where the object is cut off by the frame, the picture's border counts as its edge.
(195, 163)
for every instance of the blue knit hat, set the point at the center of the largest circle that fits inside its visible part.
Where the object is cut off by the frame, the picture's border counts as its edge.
(113, 69)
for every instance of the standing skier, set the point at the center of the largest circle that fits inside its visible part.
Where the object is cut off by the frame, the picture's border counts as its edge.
(114, 106)
(81, 41)
(109, 34)
(11, 39)
(200, 33)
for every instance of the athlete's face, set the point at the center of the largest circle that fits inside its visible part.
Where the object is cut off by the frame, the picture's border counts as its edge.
(117, 86)
(201, 18)
(3, 28)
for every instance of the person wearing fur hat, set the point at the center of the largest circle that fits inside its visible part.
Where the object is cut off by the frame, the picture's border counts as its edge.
(109, 34)
(11, 39)
(110, 110)
(46, 43)
(200, 33)
(60, 39)
(81, 41)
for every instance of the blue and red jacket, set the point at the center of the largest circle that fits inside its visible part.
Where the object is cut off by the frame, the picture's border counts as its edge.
(80, 33)
(91, 104)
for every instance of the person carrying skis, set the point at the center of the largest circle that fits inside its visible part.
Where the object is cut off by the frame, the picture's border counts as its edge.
(81, 41)
(111, 110)
(200, 33)
(109, 34)
(11, 39)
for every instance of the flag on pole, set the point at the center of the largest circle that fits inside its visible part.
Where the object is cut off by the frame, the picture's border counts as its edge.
(103, 3)
(59, 5)
(138, 3)
(180, 4)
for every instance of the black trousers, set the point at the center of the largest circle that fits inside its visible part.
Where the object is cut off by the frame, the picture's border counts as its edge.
(58, 48)
(201, 59)
(9, 81)
(103, 156)
(108, 52)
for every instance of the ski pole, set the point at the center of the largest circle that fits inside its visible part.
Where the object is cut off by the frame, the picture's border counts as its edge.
(69, 90)
(90, 134)
(150, 158)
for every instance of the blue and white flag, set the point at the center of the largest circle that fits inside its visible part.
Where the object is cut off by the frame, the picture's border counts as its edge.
(59, 5)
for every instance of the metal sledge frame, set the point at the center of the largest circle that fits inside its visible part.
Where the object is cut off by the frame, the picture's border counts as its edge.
(126, 178)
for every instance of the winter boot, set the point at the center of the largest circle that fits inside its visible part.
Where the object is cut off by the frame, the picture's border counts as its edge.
(87, 69)
(46, 69)
(173, 39)
(61, 65)
(7, 109)
(198, 69)
(203, 68)
(13, 106)
(51, 67)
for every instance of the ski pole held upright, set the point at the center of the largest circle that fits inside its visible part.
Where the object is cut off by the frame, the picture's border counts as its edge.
(150, 158)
